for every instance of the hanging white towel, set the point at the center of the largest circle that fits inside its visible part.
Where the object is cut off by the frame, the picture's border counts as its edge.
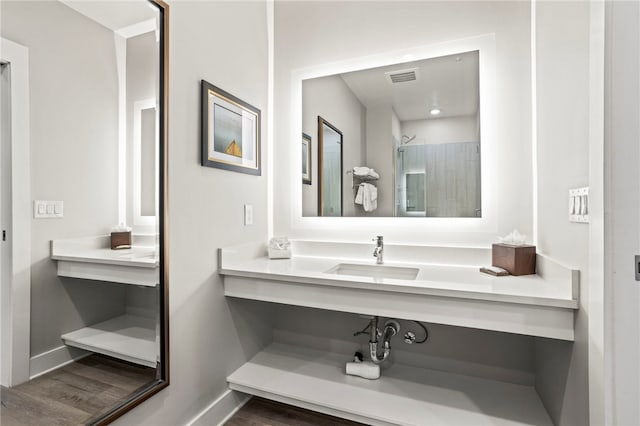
(369, 197)
(359, 195)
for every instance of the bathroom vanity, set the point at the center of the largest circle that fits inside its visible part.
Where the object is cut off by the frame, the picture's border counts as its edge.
(132, 336)
(446, 289)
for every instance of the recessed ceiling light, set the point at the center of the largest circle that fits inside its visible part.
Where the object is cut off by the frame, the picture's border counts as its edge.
(435, 111)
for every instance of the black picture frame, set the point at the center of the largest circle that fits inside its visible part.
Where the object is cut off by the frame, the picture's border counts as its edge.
(230, 138)
(307, 163)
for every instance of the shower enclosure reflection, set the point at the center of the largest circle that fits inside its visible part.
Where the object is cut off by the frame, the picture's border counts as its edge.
(438, 180)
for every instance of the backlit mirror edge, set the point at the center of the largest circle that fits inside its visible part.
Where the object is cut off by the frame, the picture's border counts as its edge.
(162, 380)
(305, 226)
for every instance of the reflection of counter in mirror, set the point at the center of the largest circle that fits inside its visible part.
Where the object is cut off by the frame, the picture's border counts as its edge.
(98, 145)
(416, 123)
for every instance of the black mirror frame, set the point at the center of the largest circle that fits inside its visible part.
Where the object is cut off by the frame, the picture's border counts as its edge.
(162, 372)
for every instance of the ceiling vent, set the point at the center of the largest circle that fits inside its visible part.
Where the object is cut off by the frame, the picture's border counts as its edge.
(402, 76)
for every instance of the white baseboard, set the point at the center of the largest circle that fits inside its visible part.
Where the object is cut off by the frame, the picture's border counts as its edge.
(55, 358)
(220, 410)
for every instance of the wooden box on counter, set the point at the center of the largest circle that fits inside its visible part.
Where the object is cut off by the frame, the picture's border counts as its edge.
(517, 260)
(120, 240)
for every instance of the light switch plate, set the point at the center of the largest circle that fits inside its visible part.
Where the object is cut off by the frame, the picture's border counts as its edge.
(48, 209)
(579, 205)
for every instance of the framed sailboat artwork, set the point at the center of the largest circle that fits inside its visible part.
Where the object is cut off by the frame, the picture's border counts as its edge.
(230, 132)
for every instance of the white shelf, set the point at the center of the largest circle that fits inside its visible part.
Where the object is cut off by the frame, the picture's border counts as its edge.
(127, 337)
(402, 396)
(92, 259)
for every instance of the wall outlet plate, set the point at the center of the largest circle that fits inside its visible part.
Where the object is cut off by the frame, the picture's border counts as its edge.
(579, 205)
(248, 214)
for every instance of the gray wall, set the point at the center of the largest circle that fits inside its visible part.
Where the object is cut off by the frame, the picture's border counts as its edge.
(481, 353)
(211, 335)
(622, 132)
(379, 151)
(331, 98)
(74, 156)
(563, 36)
(443, 130)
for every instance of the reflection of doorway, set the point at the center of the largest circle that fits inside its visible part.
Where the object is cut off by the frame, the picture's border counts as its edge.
(15, 184)
(329, 169)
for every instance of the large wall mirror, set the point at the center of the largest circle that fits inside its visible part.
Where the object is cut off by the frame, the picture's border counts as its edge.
(98, 322)
(412, 136)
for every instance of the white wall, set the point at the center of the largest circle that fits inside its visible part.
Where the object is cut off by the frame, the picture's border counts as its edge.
(563, 85)
(210, 335)
(622, 210)
(396, 132)
(331, 99)
(358, 29)
(442, 130)
(73, 119)
(355, 31)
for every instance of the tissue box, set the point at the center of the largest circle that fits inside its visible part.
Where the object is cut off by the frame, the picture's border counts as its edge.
(517, 260)
(279, 253)
(120, 240)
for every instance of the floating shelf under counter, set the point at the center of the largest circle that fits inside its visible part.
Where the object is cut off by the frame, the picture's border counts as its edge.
(403, 395)
(92, 259)
(128, 337)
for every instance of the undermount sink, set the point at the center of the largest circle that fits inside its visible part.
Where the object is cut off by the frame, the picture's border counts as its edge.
(375, 271)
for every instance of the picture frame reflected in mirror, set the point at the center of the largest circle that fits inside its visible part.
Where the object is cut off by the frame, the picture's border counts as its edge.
(306, 159)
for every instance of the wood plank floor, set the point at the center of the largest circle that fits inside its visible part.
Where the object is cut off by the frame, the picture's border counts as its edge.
(263, 412)
(73, 394)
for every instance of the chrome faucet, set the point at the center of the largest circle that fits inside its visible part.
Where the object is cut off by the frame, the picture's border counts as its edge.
(377, 252)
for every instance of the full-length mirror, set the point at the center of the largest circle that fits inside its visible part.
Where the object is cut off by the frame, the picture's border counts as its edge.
(98, 323)
(411, 139)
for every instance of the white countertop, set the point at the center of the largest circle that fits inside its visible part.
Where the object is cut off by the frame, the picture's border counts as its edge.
(97, 250)
(457, 281)
(452, 291)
